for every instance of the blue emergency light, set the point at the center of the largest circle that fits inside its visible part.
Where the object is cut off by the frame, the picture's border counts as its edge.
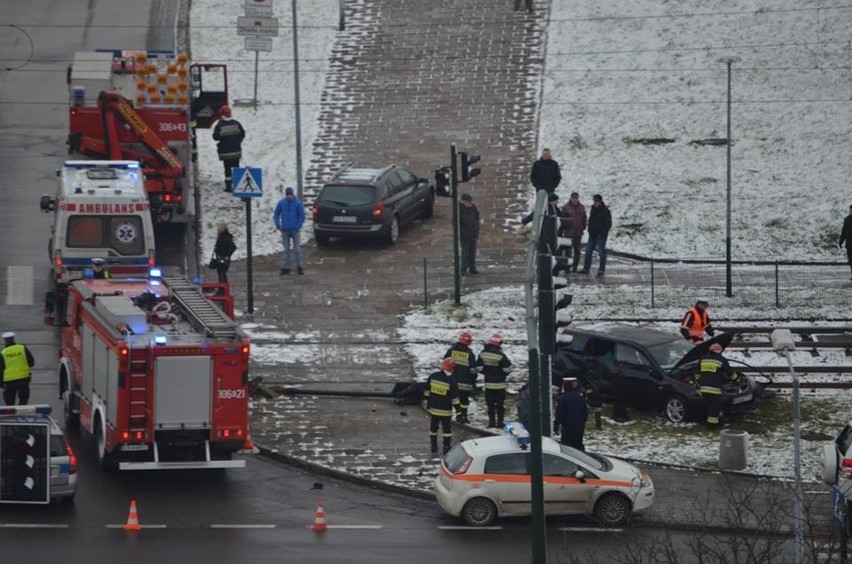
(88, 274)
(160, 340)
(520, 433)
(155, 272)
(41, 409)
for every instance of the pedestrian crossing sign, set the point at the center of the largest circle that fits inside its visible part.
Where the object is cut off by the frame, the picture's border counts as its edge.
(247, 182)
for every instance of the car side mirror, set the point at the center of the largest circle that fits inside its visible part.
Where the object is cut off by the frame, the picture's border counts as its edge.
(580, 476)
(46, 204)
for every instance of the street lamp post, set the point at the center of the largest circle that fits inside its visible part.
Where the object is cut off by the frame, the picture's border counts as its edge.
(728, 282)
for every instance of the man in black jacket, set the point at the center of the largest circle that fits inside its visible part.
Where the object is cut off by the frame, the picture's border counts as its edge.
(545, 173)
(600, 222)
(496, 366)
(571, 415)
(468, 233)
(229, 134)
(223, 250)
(846, 237)
(713, 373)
(465, 368)
(442, 395)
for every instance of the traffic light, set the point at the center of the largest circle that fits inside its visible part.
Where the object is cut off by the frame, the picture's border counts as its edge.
(24, 463)
(550, 311)
(467, 169)
(442, 182)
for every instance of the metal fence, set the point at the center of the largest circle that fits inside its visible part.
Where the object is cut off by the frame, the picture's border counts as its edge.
(662, 283)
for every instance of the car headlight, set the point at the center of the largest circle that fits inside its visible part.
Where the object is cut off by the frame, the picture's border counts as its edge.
(645, 480)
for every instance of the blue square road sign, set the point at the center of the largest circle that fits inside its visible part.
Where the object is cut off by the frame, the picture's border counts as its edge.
(247, 182)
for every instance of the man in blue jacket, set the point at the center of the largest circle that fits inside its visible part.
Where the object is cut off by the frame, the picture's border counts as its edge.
(289, 217)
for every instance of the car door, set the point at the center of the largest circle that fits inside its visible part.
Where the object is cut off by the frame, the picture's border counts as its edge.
(563, 493)
(407, 194)
(598, 356)
(507, 480)
(636, 376)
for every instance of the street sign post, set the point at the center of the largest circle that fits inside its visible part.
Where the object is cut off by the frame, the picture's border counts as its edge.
(259, 8)
(248, 184)
(259, 44)
(257, 27)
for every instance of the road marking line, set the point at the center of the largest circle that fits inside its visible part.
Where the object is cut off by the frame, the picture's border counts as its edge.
(466, 528)
(19, 285)
(817, 491)
(121, 526)
(243, 526)
(588, 530)
(348, 527)
(33, 526)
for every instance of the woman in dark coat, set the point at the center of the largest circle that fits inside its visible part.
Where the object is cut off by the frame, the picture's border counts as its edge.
(223, 250)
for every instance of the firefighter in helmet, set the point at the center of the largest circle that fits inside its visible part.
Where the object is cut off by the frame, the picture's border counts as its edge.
(496, 366)
(441, 397)
(15, 363)
(696, 322)
(466, 367)
(229, 135)
(713, 372)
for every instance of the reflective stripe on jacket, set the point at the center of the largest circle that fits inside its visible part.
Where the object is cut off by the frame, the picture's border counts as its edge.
(441, 394)
(466, 366)
(495, 367)
(714, 371)
(15, 360)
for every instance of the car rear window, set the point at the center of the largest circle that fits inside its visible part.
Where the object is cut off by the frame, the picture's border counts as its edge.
(514, 463)
(454, 459)
(122, 233)
(347, 195)
(57, 446)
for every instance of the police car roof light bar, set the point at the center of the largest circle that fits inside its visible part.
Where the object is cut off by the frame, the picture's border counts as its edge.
(42, 409)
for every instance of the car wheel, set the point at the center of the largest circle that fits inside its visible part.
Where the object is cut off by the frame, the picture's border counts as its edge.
(72, 420)
(479, 512)
(430, 206)
(393, 231)
(322, 240)
(612, 509)
(675, 409)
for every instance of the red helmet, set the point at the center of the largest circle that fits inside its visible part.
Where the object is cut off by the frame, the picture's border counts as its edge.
(496, 339)
(466, 338)
(225, 111)
(448, 364)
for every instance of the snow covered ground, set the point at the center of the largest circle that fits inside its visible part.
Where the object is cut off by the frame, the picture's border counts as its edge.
(270, 140)
(619, 71)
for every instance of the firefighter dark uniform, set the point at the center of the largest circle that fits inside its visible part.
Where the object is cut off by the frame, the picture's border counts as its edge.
(495, 367)
(714, 371)
(696, 323)
(229, 134)
(466, 367)
(15, 363)
(441, 397)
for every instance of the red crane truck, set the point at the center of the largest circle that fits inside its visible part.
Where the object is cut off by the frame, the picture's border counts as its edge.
(156, 370)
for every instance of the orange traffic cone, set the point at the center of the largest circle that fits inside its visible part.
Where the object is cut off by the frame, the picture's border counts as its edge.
(132, 518)
(319, 520)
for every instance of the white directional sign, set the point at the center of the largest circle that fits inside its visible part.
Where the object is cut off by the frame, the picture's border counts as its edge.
(259, 44)
(248, 182)
(257, 27)
(259, 8)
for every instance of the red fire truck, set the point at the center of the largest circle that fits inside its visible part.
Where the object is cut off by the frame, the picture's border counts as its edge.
(156, 370)
(144, 106)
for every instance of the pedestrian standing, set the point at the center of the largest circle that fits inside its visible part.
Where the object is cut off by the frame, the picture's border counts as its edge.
(576, 212)
(229, 135)
(600, 222)
(468, 233)
(846, 237)
(713, 372)
(571, 415)
(527, 2)
(222, 251)
(524, 407)
(545, 173)
(696, 322)
(289, 217)
(15, 363)
(464, 371)
(551, 209)
(496, 366)
(441, 397)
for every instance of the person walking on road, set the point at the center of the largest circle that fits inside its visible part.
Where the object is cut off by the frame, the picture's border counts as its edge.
(15, 363)
(289, 217)
(496, 366)
(600, 222)
(571, 415)
(465, 368)
(222, 251)
(229, 135)
(576, 212)
(696, 322)
(524, 407)
(468, 233)
(545, 173)
(441, 397)
(846, 237)
(713, 372)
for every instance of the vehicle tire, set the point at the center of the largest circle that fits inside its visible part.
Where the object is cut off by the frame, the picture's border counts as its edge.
(105, 459)
(612, 509)
(393, 231)
(675, 409)
(72, 420)
(322, 240)
(479, 512)
(430, 206)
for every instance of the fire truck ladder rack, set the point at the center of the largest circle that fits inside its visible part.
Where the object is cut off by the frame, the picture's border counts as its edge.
(203, 313)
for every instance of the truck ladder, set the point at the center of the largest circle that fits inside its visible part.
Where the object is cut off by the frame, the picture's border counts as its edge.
(138, 386)
(203, 313)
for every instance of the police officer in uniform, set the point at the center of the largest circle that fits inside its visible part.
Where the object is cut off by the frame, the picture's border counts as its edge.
(571, 415)
(15, 363)
(713, 372)
(696, 322)
(466, 366)
(495, 367)
(229, 134)
(441, 397)
(101, 273)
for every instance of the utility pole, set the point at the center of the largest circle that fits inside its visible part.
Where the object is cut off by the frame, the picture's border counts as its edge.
(454, 194)
(297, 103)
(728, 275)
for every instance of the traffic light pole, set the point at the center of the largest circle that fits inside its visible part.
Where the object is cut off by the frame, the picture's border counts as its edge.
(249, 274)
(454, 194)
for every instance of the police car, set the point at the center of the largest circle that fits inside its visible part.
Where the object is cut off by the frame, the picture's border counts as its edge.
(37, 465)
(482, 479)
